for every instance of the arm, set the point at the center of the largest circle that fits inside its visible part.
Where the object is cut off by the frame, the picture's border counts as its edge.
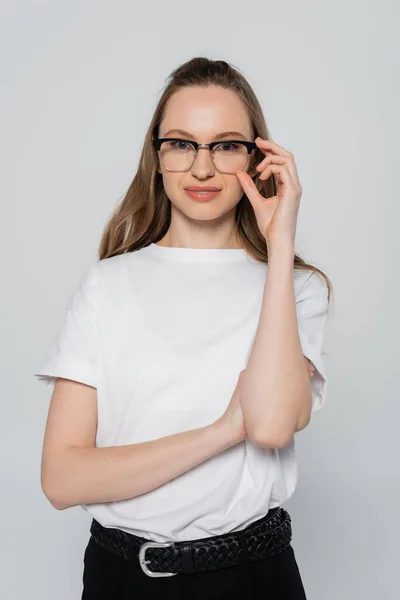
(75, 472)
(275, 388)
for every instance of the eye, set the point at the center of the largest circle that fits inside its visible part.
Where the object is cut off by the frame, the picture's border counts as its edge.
(181, 145)
(227, 147)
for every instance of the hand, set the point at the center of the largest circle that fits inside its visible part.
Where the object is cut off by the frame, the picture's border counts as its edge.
(233, 415)
(276, 216)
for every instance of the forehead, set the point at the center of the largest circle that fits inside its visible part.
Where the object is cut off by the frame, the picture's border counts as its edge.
(205, 112)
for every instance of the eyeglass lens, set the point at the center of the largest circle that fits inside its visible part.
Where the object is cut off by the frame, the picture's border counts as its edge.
(179, 155)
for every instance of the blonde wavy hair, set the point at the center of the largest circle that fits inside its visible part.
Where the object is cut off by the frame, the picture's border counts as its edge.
(144, 214)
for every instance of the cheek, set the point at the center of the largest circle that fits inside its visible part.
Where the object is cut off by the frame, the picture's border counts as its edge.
(233, 190)
(236, 187)
(173, 182)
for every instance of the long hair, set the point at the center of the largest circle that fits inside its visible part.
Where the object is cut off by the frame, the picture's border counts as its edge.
(144, 214)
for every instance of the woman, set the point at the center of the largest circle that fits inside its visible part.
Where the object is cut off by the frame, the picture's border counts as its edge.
(188, 357)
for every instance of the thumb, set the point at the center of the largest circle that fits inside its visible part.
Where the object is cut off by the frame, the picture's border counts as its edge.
(249, 187)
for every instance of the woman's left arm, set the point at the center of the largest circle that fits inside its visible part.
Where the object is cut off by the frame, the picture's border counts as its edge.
(275, 389)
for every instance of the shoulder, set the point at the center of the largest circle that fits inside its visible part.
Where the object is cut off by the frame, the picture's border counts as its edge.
(95, 279)
(83, 297)
(309, 284)
(115, 271)
(311, 294)
(112, 264)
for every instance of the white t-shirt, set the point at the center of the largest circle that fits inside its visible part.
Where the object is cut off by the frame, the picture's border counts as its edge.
(163, 334)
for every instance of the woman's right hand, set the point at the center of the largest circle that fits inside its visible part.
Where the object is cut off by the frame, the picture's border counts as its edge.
(232, 418)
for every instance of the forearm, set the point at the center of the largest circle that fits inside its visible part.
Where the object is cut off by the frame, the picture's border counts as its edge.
(275, 389)
(91, 475)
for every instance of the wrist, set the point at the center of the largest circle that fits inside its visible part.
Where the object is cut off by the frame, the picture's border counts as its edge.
(223, 431)
(282, 246)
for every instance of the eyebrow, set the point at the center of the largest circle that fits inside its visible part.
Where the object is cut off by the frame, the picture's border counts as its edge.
(219, 136)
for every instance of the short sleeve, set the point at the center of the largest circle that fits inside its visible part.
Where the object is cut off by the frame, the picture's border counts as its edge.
(73, 353)
(312, 311)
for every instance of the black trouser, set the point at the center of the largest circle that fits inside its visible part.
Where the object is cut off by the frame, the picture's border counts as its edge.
(106, 576)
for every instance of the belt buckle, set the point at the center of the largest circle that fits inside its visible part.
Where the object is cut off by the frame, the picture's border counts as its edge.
(143, 562)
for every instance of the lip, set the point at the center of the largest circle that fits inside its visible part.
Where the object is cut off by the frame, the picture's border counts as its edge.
(202, 188)
(202, 194)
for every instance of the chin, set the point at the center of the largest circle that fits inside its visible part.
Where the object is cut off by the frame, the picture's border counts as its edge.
(206, 210)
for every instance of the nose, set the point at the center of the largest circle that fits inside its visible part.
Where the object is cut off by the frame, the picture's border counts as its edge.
(203, 165)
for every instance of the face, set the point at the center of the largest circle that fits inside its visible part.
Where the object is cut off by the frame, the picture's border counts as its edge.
(203, 113)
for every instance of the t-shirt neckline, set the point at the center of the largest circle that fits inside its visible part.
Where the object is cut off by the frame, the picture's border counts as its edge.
(216, 255)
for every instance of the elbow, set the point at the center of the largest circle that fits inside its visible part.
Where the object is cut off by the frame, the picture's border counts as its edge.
(305, 416)
(57, 479)
(53, 493)
(280, 437)
(303, 421)
(259, 438)
(271, 437)
(282, 434)
(274, 436)
(279, 440)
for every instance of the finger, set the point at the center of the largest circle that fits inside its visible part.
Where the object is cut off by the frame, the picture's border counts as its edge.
(249, 188)
(271, 146)
(279, 159)
(282, 173)
(270, 158)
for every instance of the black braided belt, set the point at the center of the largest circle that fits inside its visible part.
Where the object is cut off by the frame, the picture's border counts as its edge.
(267, 536)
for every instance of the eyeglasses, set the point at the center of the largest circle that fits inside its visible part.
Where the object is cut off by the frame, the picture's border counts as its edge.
(228, 156)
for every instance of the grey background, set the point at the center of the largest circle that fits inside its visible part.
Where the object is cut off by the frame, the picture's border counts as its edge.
(79, 83)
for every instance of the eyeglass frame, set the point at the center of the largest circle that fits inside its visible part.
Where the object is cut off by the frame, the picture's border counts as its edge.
(249, 145)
